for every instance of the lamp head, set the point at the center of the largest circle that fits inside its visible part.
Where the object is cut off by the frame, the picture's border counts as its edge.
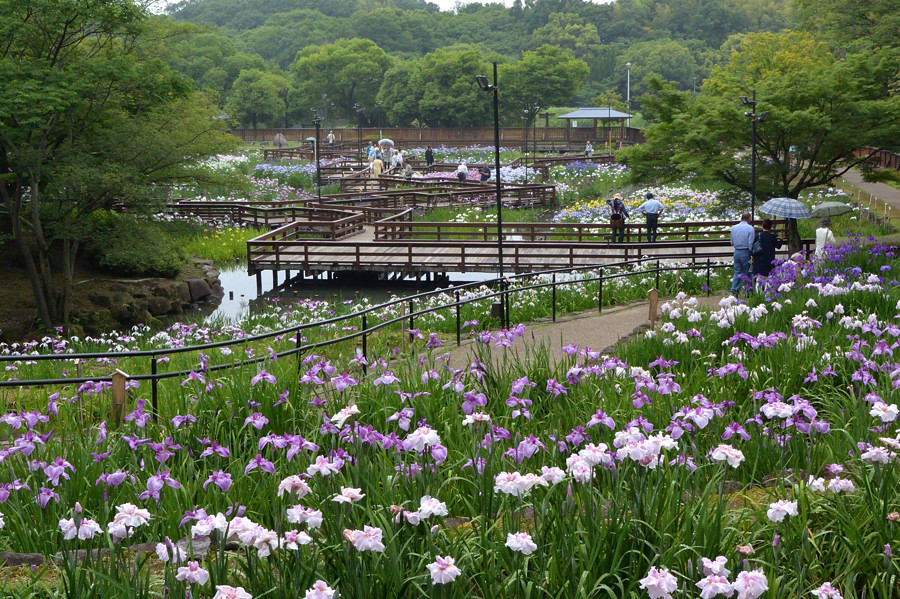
(746, 101)
(483, 83)
(762, 116)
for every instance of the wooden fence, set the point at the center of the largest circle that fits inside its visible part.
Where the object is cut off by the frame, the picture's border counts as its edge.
(542, 138)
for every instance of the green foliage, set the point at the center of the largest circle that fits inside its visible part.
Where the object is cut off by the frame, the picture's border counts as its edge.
(94, 116)
(126, 245)
(349, 71)
(259, 95)
(820, 108)
(548, 76)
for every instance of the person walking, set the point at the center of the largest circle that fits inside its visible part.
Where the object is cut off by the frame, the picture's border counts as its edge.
(742, 236)
(618, 214)
(377, 166)
(462, 171)
(330, 138)
(651, 209)
(429, 156)
(824, 236)
(768, 243)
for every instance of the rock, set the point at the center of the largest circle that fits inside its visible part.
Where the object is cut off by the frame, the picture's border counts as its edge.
(199, 289)
(104, 301)
(175, 307)
(8, 558)
(184, 292)
(158, 306)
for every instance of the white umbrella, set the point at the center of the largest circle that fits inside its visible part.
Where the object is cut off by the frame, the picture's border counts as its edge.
(385, 142)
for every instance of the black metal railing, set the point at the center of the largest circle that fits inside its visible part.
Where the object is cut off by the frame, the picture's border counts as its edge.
(502, 292)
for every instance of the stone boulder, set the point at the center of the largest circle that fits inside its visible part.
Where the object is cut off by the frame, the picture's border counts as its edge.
(199, 289)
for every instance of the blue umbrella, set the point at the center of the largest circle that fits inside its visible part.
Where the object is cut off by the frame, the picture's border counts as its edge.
(785, 208)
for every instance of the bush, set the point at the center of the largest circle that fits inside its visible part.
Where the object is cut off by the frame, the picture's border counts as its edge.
(126, 245)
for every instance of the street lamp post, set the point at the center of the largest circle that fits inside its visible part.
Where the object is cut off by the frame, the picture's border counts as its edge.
(359, 110)
(526, 112)
(628, 92)
(493, 89)
(754, 119)
(317, 119)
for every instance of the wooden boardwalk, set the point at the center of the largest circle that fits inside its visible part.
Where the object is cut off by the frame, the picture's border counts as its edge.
(362, 253)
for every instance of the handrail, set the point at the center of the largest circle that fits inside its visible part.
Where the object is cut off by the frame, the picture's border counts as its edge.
(503, 294)
(335, 320)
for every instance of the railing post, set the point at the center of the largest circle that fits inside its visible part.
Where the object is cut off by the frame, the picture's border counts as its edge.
(412, 319)
(119, 379)
(365, 347)
(553, 287)
(708, 270)
(657, 274)
(458, 319)
(600, 293)
(154, 395)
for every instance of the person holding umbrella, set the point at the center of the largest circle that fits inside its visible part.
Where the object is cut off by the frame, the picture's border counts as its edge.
(768, 242)
(824, 236)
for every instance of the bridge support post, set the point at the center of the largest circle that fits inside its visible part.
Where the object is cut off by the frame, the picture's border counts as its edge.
(258, 283)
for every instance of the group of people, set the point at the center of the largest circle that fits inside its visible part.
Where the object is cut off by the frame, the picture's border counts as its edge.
(386, 159)
(758, 248)
(651, 209)
(462, 172)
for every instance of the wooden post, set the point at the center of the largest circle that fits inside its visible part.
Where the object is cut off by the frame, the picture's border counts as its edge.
(118, 391)
(654, 308)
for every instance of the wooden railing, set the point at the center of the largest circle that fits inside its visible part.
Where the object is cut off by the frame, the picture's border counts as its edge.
(315, 221)
(390, 230)
(879, 158)
(268, 253)
(544, 138)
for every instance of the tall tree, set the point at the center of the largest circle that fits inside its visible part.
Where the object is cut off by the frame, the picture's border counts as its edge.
(545, 77)
(258, 95)
(89, 117)
(821, 109)
(349, 71)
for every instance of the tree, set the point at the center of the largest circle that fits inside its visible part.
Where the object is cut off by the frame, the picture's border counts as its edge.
(821, 109)
(444, 82)
(92, 118)
(350, 71)
(258, 95)
(545, 77)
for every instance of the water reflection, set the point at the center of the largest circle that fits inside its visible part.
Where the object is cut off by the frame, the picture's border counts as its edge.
(241, 293)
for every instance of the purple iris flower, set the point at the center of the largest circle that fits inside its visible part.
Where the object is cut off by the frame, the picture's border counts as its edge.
(261, 463)
(44, 496)
(600, 417)
(342, 381)
(263, 375)
(219, 478)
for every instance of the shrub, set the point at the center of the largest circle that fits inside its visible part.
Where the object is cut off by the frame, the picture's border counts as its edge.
(126, 245)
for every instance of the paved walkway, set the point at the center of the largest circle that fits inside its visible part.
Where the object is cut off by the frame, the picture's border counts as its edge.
(600, 332)
(885, 193)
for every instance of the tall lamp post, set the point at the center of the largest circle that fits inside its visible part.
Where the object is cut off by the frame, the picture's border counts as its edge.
(488, 87)
(754, 119)
(628, 92)
(359, 110)
(317, 119)
(525, 114)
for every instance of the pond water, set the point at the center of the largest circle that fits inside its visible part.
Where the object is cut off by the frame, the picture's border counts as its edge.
(241, 292)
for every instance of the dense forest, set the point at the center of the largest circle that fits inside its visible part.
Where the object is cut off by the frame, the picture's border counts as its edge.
(405, 62)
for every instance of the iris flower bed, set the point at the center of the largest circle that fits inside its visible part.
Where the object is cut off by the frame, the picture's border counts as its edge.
(749, 451)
